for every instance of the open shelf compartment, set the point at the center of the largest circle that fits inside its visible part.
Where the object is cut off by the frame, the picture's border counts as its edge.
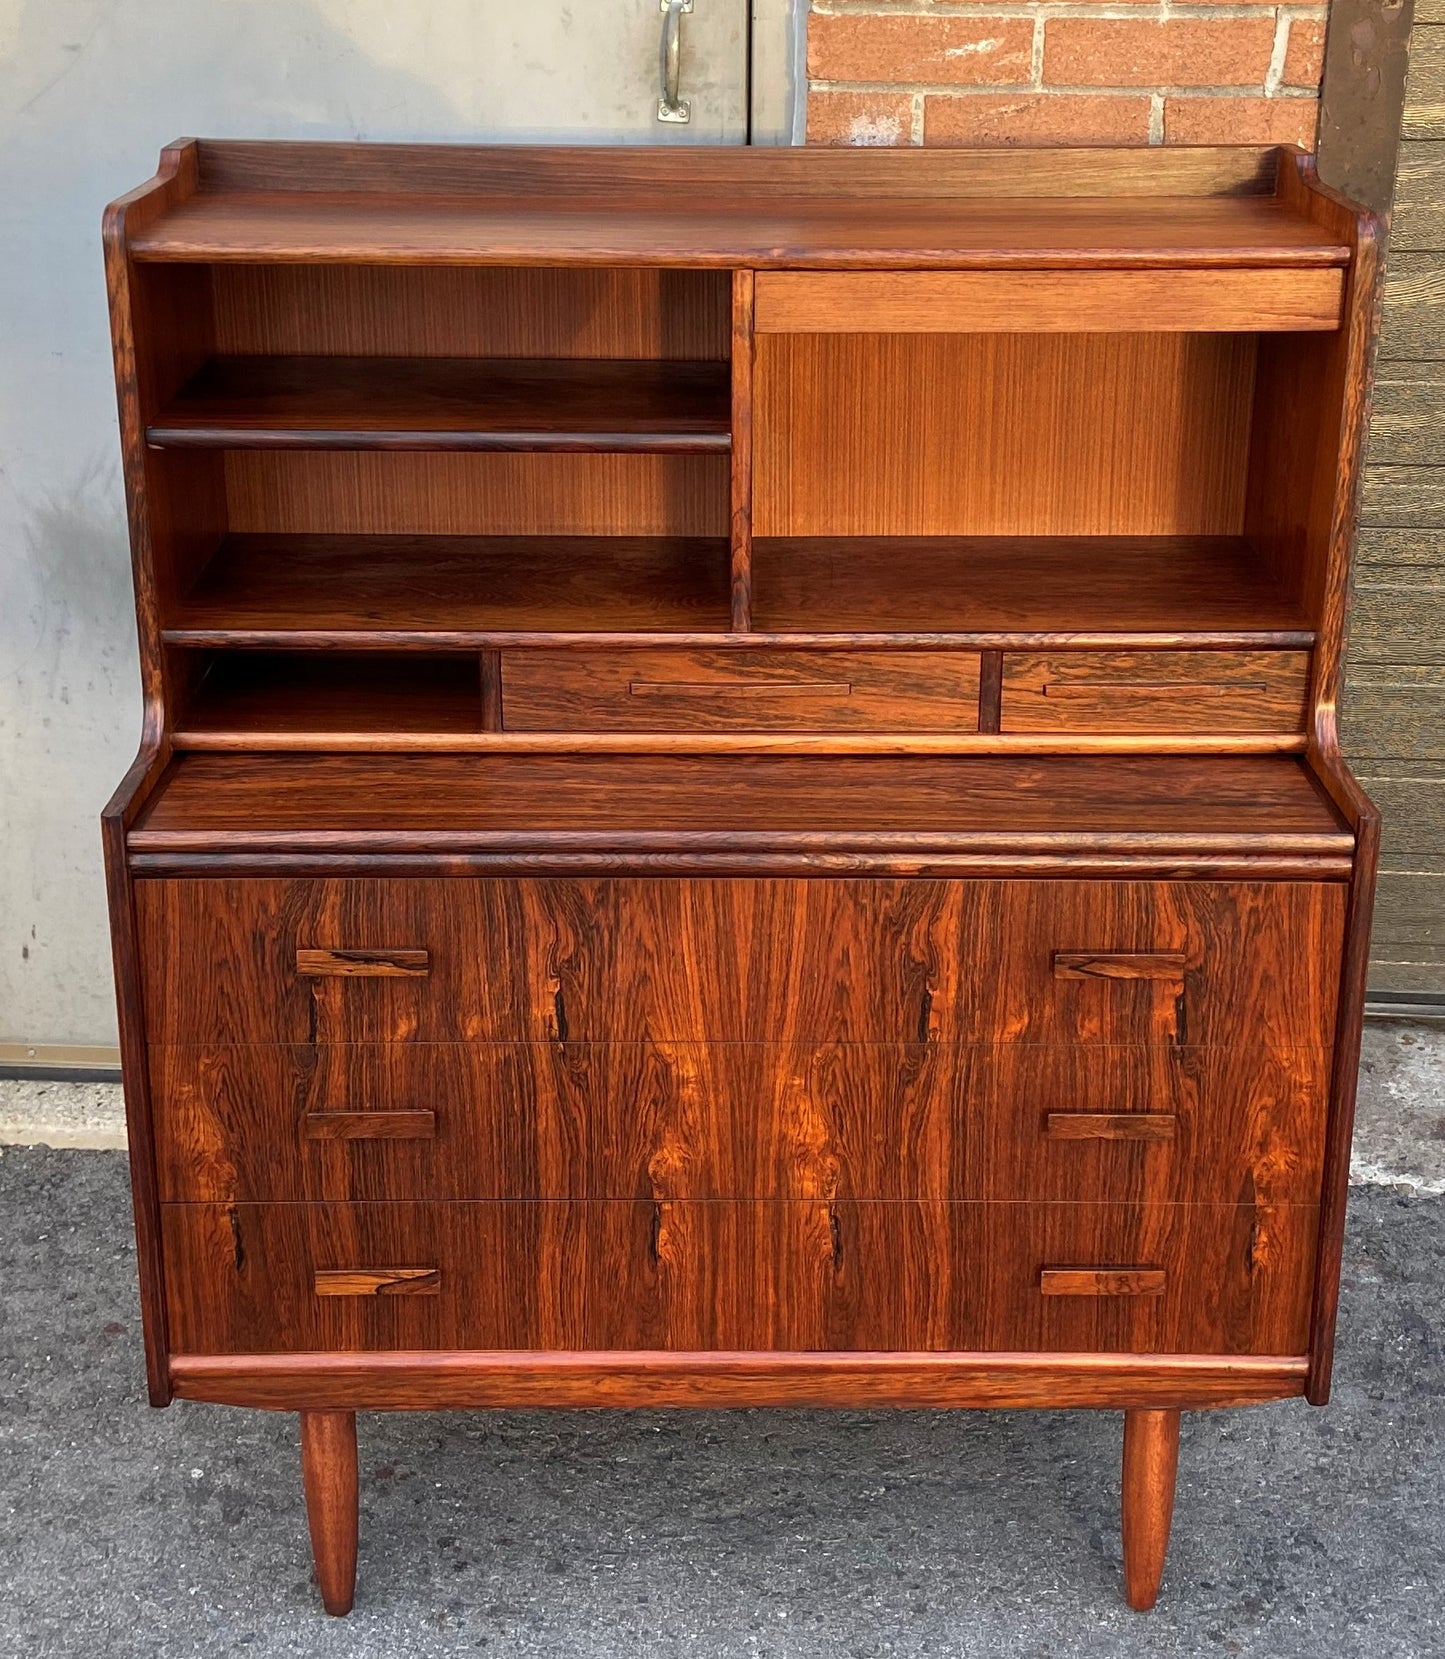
(449, 403)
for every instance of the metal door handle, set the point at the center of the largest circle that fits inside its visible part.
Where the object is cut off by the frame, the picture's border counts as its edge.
(669, 106)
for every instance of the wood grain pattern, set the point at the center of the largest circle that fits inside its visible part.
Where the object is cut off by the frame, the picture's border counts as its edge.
(372, 963)
(377, 1281)
(521, 171)
(1083, 590)
(476, 311)
(1101, 1281)
(633, 959)
(740, 535)
(728, 1276)
(448, 403)
(1033, 302)
(489, 206)
(428, 591)
(400, 1381)
(1162, 691)
(1151, 1462)
(741, 1120)
(321, 590)
(1119, 965)
(330, 1480)
(409, 493)
(1045, 804)
(750, 690)
(1084, 432)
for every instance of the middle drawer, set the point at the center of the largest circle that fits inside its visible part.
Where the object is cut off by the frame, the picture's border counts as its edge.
(739, 1121)
(749, 690)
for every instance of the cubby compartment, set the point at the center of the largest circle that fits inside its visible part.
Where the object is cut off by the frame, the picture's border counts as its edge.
(341, 357)
(1094, 488)
(262, 699)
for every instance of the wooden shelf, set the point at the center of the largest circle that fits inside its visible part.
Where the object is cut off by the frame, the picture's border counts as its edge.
(462, 590)
(309, 697)
(451, 403)
(1026, 590)
(585, 207)
(380, 802)
(989, 592)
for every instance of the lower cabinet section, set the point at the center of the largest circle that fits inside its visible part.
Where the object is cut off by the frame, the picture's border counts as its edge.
(794, 1275)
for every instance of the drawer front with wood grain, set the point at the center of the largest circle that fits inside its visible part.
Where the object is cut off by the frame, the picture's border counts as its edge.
(626, 959)
(913, 1276)
(679, 1121)
(1041, 302)
(745, 690)
(1164, 692)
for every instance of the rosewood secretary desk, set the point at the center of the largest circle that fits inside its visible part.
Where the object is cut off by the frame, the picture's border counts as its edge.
(739, 800)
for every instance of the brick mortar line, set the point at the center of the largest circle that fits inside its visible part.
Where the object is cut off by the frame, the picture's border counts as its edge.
(928, 89)
(1274, 75)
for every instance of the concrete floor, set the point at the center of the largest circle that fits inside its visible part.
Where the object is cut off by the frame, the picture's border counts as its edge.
(125, 1531)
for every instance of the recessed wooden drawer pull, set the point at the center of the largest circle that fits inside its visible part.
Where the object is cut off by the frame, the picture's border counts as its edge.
(1102, 1281)
(379, 1281)
(363, 964)
(1084, 964)
(369, 1126)
(1111, 1126)
(739, 688)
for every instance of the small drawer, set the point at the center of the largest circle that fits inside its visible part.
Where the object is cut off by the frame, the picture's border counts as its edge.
(1238, 692)
(1043, 302)
(806, 1275)
(745, 690)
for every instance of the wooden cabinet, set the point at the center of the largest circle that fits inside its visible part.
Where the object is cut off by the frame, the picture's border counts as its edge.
(739, 801)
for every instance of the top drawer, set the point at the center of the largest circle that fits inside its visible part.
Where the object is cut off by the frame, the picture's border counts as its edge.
(861, 959)
(1033, 302)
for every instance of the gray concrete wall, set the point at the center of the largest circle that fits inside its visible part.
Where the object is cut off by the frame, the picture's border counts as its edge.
(89, 91)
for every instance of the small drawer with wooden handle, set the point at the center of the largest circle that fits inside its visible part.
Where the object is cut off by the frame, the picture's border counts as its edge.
(1240, 693)
(740, 691)
(343, 960)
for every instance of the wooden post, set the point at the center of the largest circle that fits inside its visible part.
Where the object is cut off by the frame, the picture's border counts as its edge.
(1151, 1459)
(328, 1474)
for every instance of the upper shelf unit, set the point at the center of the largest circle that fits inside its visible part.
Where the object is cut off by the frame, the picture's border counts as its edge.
(449, 403)
(767, 209)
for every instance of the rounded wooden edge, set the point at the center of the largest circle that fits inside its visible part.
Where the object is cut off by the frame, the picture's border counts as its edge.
(400, 1381)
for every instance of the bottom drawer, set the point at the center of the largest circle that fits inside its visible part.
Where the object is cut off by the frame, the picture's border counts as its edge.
(792, 1275)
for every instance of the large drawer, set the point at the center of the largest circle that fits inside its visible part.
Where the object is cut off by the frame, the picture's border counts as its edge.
(739, 1276)
(743, 690)
(738, 1120)
(859, 959)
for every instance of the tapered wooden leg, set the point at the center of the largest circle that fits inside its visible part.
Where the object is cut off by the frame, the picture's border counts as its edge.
(1151, 1459)
(328, 1473)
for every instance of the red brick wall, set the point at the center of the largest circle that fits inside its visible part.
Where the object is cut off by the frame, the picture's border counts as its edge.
(1063, 72)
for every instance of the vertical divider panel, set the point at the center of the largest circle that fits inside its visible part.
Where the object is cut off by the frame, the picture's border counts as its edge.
(740, 524)
(490, 666)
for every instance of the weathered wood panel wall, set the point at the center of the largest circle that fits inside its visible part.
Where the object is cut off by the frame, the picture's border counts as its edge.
(1394, 708)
